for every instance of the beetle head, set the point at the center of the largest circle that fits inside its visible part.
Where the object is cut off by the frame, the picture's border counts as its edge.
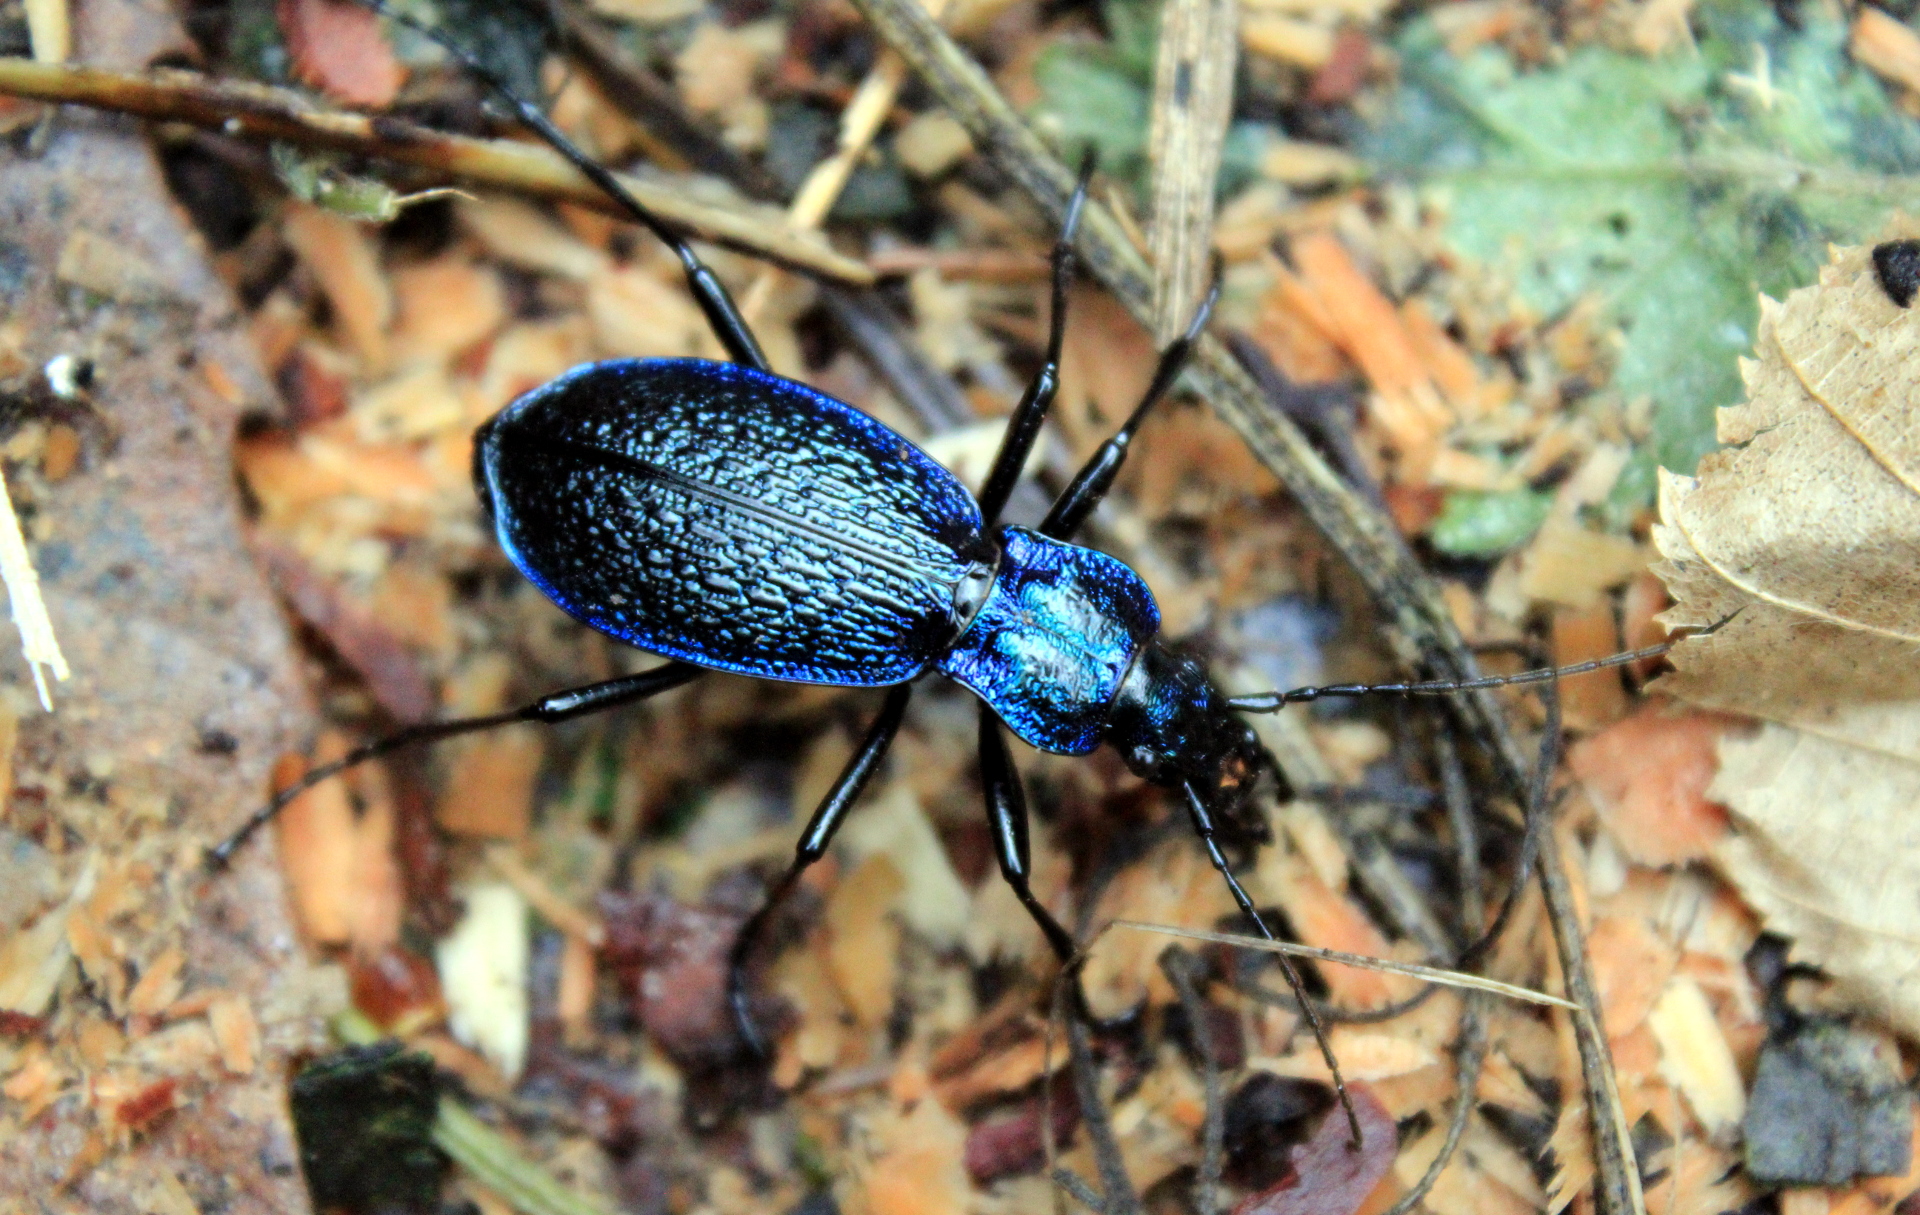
(1173, 727)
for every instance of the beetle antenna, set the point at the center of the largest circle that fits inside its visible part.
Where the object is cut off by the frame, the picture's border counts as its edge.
(718, 306)
(1269, 702)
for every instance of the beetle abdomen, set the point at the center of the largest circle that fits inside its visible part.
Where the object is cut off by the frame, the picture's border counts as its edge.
(726, 517)
(1054, 639)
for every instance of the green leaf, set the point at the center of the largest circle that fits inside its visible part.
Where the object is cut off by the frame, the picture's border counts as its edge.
(1672, 189)
(1089, 101)
(1476, 524)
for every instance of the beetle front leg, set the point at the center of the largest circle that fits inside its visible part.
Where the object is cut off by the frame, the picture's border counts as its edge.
(1203, 827)
(1023, 428)
(1007, 819)
(813, 845)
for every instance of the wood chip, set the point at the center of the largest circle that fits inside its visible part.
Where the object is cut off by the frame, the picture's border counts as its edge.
(1407, 405)
(337, 47)
(1363, 1055)
(483, 972)
(919, 1167)
(1649, 774)
(1570, 565)
(1888, 46)
(160, 984)
(318, 845)
(1590, 702)
(1695, 1057)
(346, 264)
(235, 1032)
(444, 306)
(489, 791)
(1291, 40)
(1631, 966)
(863, 941)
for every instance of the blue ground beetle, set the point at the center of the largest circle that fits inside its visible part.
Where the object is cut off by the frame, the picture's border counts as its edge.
(729, 519)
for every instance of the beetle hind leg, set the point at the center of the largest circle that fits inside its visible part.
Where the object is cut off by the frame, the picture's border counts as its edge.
(549, 709)
(813, 844)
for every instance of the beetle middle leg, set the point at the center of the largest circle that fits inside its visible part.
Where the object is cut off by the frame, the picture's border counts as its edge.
(813, 844)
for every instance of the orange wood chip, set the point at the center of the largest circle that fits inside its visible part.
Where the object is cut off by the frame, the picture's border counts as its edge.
(1366, 325)
(1580, 635)
(317, 846)
(863, 941)
(1328, 919)
(61, 453)
(1888, 46)
(489, 793)
(337, 47)
(346, 264)
(445, 306)
(1648, 774)
(235, 1032)
(159, 985)
(920, 1169)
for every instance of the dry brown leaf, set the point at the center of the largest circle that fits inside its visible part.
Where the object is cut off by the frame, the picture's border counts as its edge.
(918, 1169)
(1807, 525)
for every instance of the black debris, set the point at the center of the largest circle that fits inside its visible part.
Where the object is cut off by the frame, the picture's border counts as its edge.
(364, 1117)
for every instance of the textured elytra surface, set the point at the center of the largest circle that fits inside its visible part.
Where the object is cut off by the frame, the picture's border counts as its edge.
(1054, 639)
(716, 514)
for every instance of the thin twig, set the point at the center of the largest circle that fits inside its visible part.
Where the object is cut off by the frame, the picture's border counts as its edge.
(652, 102)
(1077, 1186)
(1192, 104)
(243, 108)
(1180, 966)
(1470, 1054)
(1466, 831)
(1470, 1048)
(1112, 1166)
(1422, 629)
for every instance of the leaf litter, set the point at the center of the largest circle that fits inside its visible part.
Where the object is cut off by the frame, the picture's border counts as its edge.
(546, 917)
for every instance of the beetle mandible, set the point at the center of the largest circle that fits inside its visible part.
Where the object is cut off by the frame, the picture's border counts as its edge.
(730, 519)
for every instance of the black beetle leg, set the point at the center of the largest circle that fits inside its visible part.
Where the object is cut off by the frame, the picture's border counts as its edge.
(812, 846)
(1007, 819)
(1095, 478)
(1203, 826)
(1023, 428)
(718, 307)
(554, 707)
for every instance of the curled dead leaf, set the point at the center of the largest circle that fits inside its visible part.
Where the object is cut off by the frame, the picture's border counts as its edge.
(1806, 525)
